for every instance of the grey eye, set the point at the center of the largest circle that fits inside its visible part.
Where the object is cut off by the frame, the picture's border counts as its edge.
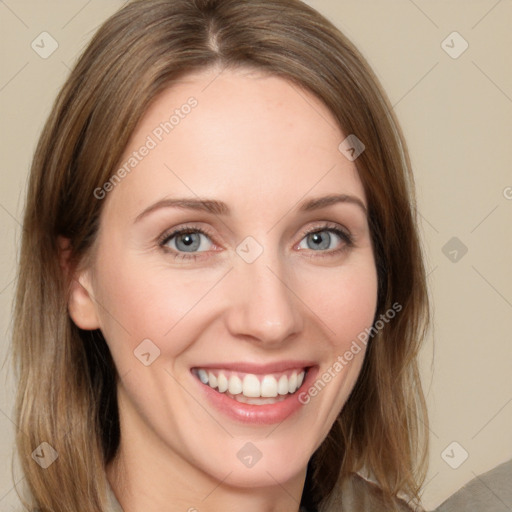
(189, 242)
(320, 240)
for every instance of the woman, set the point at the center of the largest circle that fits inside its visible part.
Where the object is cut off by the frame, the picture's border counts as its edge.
(221, 295)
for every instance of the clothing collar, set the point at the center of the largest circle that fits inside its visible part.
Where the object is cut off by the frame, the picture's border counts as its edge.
(114, 505)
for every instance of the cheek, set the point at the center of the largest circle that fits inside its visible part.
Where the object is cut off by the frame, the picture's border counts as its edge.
(138, 300)
(344, 299)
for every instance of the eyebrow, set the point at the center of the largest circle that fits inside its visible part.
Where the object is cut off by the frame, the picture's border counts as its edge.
(323, 202)
(220, 208)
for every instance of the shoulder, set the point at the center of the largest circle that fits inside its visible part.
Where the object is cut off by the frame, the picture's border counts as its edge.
(359, 493)
(490, 492)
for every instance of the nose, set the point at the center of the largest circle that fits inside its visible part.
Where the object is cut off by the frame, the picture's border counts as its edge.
(264, 307)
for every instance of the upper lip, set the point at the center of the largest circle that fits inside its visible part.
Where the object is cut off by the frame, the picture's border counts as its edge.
(262, 369)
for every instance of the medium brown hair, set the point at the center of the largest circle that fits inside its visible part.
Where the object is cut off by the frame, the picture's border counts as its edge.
(67, 379)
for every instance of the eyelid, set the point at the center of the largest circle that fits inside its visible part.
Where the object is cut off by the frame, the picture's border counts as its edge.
(327, 226)
(173, 232)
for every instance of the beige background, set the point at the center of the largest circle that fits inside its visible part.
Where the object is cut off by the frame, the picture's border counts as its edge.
(457, 117)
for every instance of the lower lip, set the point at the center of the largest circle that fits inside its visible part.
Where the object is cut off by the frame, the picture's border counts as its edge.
(267, 414)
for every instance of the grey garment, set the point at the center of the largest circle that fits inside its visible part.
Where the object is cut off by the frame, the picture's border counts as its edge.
(357, 494)
(490, 492)
(114, 504)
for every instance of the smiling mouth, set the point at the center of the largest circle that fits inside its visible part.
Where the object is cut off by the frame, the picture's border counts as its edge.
(250, 388)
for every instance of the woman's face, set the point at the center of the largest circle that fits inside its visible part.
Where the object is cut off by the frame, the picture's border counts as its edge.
(271, 276)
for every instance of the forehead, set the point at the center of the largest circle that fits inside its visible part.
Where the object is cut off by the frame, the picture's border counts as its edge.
(237, 135)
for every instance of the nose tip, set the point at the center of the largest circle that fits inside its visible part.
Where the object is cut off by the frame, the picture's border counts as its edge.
(264, 307)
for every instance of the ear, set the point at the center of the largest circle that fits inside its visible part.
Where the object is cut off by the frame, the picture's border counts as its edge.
(81, 304)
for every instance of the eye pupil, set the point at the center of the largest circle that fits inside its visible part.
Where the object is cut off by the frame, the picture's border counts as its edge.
(188, 242)
(321, 240)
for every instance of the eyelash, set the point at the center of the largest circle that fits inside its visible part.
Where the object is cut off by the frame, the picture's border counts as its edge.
(346, 237)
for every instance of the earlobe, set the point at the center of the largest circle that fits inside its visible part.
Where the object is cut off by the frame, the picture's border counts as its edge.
(81, 303)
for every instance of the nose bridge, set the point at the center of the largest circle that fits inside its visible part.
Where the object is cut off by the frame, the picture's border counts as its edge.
(264, 306)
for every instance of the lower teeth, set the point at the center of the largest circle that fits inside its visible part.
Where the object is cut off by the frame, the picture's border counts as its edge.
(255, 401)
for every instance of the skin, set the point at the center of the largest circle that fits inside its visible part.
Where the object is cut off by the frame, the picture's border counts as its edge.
(263, 147)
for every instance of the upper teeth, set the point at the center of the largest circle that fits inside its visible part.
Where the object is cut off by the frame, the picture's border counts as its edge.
(250, 385)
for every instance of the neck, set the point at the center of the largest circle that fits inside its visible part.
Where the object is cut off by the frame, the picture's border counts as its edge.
(145, 484)
(149, 475)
